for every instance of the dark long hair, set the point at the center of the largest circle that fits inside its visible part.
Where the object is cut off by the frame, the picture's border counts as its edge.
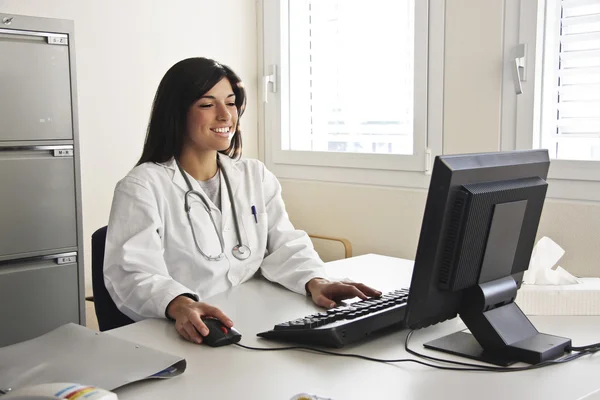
(183, 84)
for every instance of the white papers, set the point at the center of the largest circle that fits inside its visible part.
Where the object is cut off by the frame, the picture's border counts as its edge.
(73, 353)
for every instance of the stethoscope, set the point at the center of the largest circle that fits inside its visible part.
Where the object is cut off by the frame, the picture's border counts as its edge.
(239, 251)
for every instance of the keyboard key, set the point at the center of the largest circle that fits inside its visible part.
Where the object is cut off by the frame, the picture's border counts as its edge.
(362, 312)
(297, 324)
(282, 326)
(336, 317)
(352, 315)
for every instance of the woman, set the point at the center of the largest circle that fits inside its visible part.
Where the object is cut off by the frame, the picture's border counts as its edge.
(192, 220)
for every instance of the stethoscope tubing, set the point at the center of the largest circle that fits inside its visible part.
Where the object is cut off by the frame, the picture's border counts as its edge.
(239, 251)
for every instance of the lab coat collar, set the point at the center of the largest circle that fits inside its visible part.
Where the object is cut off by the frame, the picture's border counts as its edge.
(178, 178)
(233, 174)
(226, 163)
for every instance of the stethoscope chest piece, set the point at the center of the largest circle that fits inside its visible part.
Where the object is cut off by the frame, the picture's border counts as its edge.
(241, 252)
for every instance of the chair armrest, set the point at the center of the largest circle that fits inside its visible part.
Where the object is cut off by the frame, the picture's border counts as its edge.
(345, 242)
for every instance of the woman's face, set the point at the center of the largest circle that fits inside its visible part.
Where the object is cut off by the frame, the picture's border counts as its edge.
(212, 119)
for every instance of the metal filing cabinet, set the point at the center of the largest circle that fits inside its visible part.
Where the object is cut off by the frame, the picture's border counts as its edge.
(41, 257)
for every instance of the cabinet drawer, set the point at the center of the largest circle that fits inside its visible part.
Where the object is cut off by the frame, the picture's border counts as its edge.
(38, 211)
(35, 89)
(36, 296)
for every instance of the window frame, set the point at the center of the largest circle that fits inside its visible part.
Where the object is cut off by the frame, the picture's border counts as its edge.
(522, 119)
(378, 169)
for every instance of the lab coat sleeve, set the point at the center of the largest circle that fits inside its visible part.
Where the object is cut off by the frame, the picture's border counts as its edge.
(135, 272)
(291, 258)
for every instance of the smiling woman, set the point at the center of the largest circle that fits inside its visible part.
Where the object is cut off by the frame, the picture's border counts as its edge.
(212, 122)
(174, 237)
(189, 85)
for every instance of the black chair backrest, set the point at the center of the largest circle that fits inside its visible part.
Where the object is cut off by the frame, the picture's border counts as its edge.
(108, 314)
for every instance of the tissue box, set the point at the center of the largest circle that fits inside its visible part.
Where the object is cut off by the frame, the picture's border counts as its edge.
(579, 299)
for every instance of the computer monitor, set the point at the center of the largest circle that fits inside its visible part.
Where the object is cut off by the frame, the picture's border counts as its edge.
(478, 232)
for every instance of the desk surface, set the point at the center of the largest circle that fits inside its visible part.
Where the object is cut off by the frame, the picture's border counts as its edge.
(232, 372)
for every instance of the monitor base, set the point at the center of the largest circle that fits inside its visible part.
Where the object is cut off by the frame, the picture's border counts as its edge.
(464, 344)
(533, 350)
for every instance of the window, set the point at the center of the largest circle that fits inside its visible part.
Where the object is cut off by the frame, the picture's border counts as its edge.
(571, 80)
(352, 84)
(552, 52)
(341, 100)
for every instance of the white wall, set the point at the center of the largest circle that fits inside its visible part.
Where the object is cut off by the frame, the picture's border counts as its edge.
(118, 70)
(387, 221)
(123, 48)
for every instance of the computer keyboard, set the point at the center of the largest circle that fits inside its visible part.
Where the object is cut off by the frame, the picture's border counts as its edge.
(345, 324)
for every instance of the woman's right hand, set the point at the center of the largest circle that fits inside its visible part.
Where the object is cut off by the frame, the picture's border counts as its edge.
(188, 315)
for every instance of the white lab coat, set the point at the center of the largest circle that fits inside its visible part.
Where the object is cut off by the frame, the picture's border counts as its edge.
(151, 257)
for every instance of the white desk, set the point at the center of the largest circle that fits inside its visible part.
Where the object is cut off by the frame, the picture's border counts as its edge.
(231, 372)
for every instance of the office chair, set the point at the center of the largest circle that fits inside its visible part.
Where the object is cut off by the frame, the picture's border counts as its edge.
(109, 316)
(324, 252)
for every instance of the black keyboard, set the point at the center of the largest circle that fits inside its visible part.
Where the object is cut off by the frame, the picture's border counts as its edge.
(345, 324)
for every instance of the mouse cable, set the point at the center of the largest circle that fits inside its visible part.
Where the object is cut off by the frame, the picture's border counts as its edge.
(466, 366)
(353, 355)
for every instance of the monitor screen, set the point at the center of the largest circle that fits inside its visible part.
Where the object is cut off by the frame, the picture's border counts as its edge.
(478, 232)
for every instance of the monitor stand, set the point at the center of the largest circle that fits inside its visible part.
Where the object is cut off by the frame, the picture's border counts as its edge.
(502, 336)
(465, 345)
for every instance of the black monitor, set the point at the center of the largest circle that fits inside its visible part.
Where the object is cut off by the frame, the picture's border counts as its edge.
(478, 232)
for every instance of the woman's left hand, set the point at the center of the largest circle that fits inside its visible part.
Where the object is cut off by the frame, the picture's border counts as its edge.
(326, 294)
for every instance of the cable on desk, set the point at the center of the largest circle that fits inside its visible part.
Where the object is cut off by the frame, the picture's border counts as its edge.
(583, 348)
(353, 356)
(467, 366)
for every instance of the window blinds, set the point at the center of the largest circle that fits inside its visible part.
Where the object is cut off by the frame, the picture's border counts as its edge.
(578, 83)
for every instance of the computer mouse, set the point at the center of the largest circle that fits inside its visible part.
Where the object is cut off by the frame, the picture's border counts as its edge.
(219, 334)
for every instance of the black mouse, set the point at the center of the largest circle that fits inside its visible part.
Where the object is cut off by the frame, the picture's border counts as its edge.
(219, 334)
